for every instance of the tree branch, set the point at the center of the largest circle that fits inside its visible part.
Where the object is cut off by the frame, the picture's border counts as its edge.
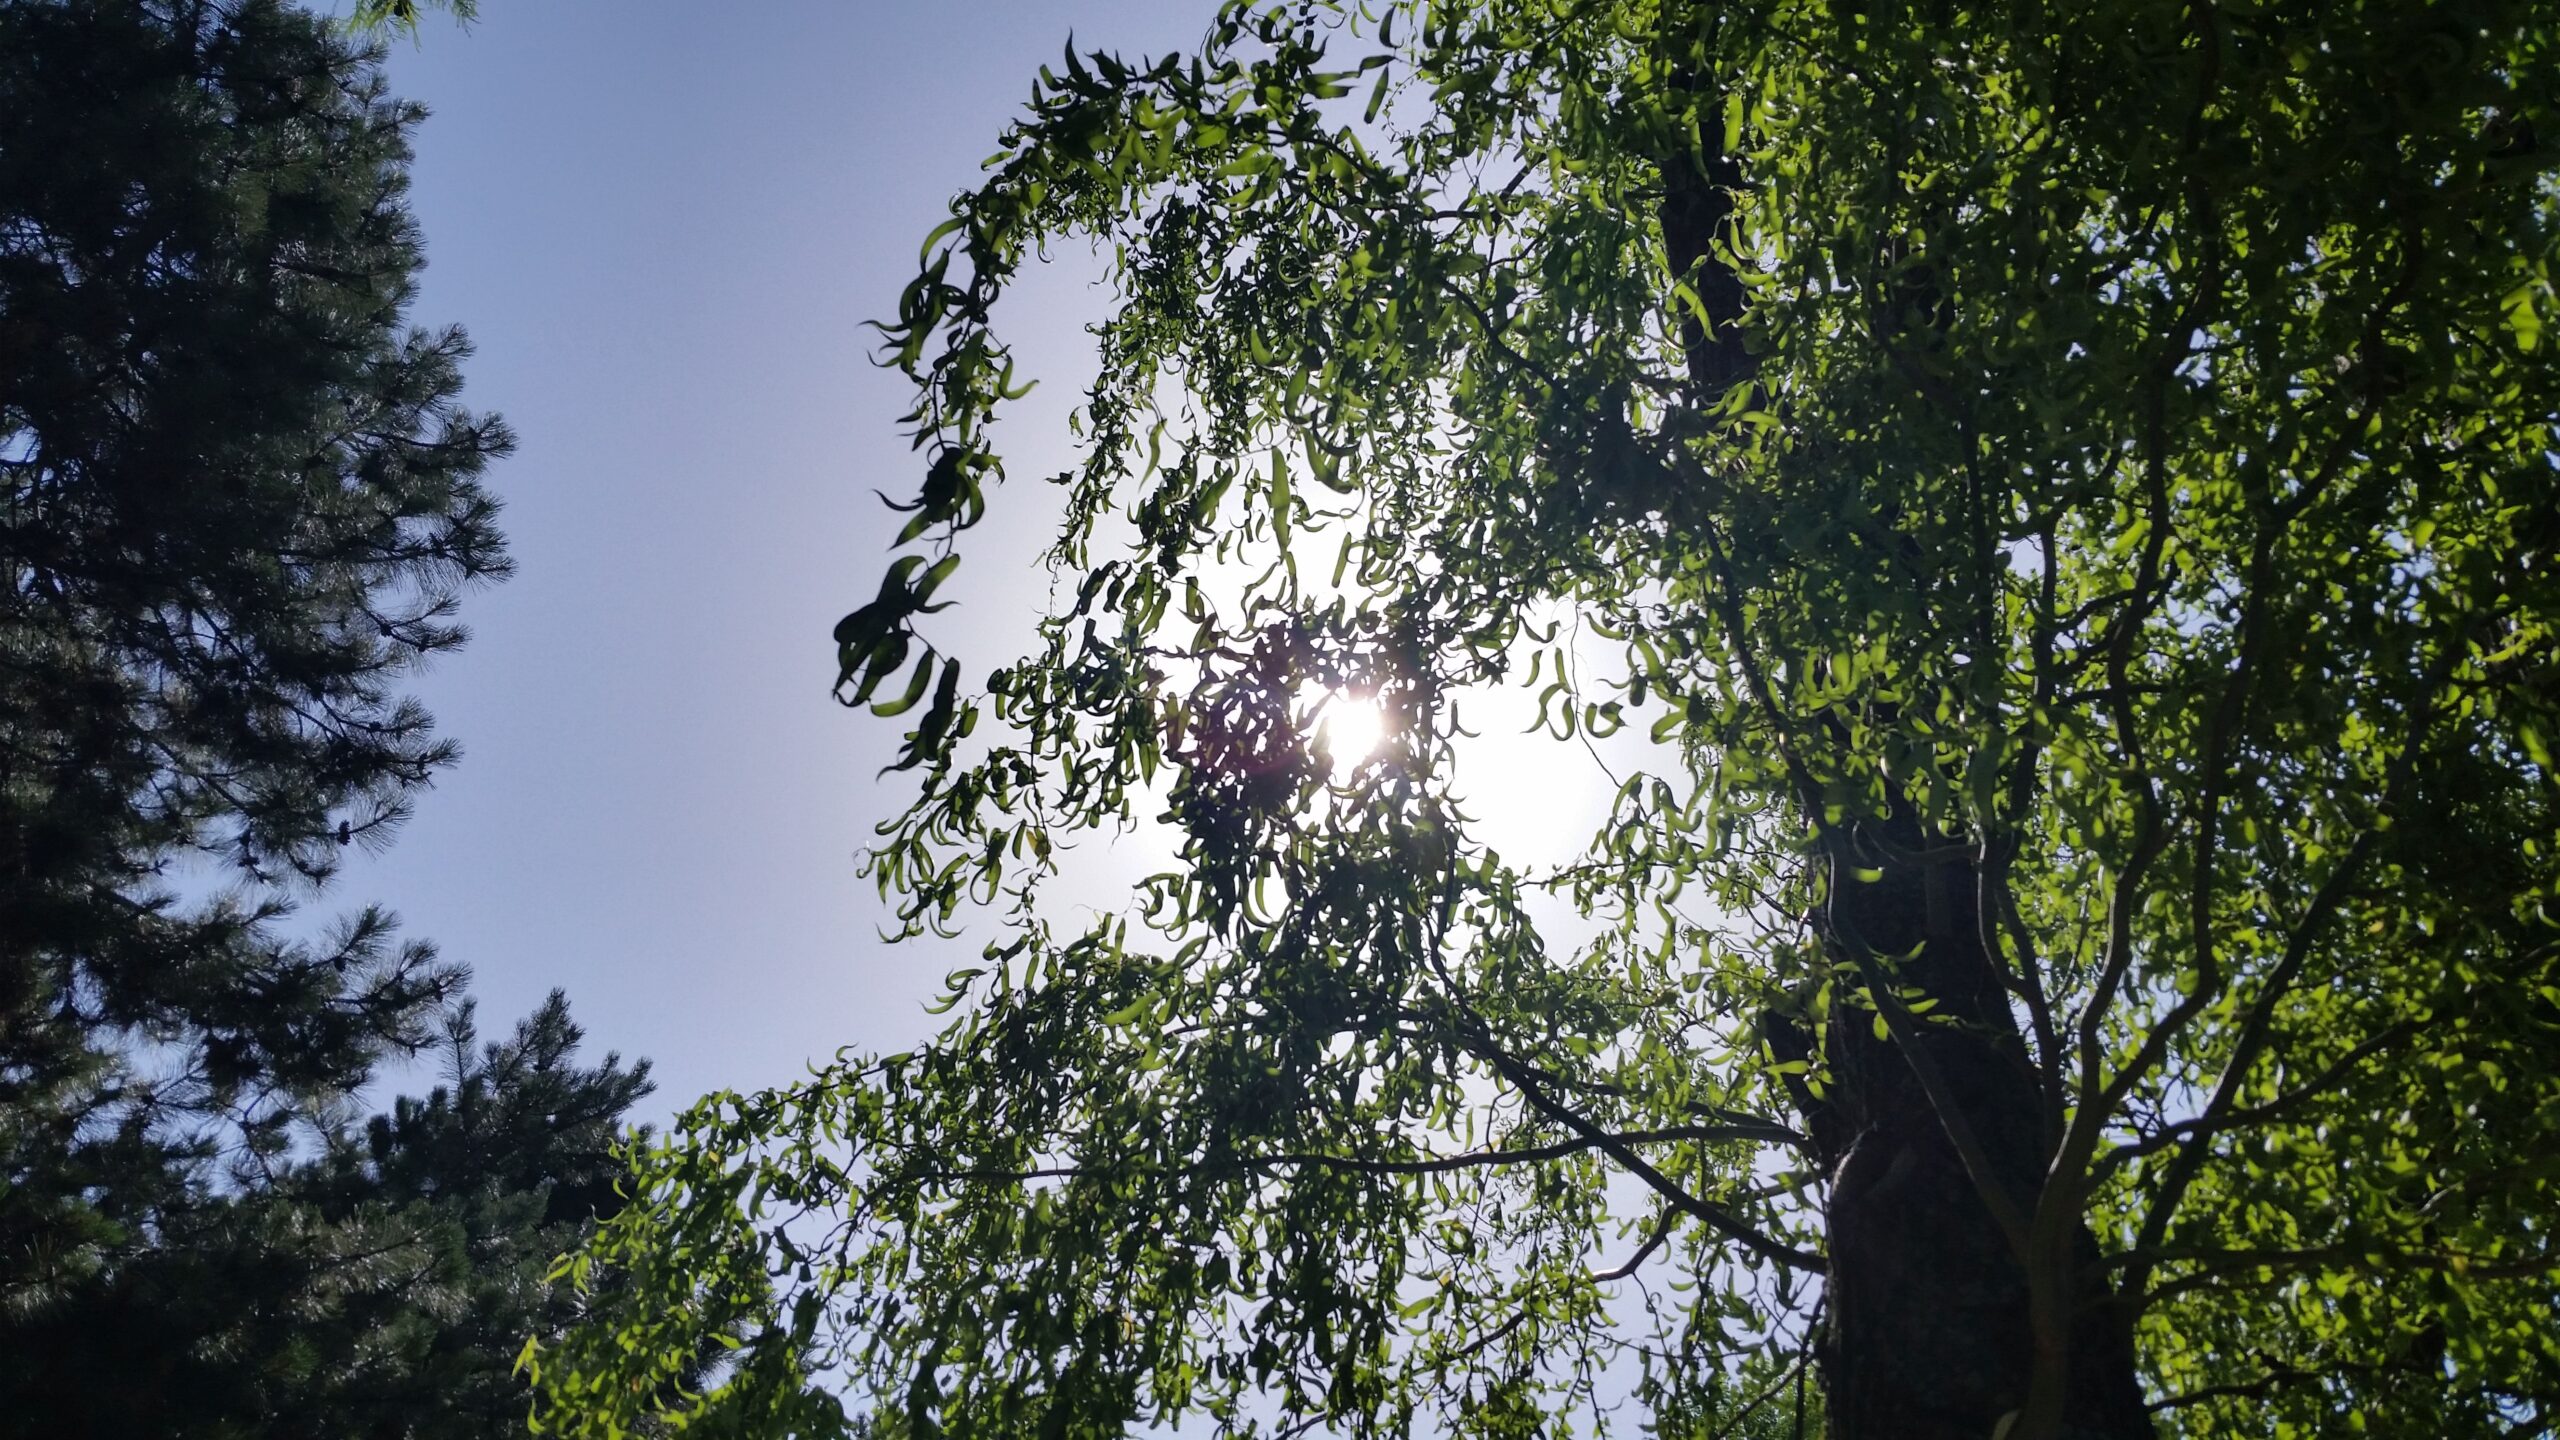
(1712, 1216)
(1594, 1139)
(2207, 1124)
(2258, 1389)
(2220, 1266)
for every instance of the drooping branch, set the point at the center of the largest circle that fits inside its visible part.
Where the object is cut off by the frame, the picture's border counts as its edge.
(1697, 1207)
(1596, 1139)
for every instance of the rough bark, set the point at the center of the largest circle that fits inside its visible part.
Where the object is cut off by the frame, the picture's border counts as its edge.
(1927, 1335)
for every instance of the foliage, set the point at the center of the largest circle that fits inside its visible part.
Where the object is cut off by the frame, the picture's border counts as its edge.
(402, 15)
(382, 1287)
(2075, 485)
(242, 502)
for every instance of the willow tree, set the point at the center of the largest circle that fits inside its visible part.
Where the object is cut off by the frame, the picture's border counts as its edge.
(2069, 495)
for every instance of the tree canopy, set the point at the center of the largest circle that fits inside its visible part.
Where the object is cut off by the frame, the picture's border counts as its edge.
(243, 501)
(379, 1285)
(240, 501)
(404, 15)
(2069, 496)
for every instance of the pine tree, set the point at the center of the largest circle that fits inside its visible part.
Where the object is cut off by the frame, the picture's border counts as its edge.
(241, 503)
(241, 500)
(383, 1287)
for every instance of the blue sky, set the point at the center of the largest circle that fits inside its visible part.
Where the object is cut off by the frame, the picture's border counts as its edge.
(663, 226)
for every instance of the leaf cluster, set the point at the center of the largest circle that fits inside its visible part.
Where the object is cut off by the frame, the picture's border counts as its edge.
(2107, 456)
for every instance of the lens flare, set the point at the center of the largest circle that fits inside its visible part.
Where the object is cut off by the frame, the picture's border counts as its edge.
(1353, 728)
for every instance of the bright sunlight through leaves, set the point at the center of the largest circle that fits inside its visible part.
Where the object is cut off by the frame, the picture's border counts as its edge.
(1351, 728)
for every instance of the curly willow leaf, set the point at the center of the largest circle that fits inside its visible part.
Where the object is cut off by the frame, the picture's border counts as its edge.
(2066, 497)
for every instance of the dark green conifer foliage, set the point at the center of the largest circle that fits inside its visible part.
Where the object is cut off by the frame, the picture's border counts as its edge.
(383, 1287)
(240, 503)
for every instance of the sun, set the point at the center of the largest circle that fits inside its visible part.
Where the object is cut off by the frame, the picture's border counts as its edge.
(1353, 728)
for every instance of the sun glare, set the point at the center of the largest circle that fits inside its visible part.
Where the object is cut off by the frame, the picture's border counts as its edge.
(1353, 727)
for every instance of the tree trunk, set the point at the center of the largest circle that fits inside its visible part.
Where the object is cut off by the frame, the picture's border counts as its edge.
(1928, 1333)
